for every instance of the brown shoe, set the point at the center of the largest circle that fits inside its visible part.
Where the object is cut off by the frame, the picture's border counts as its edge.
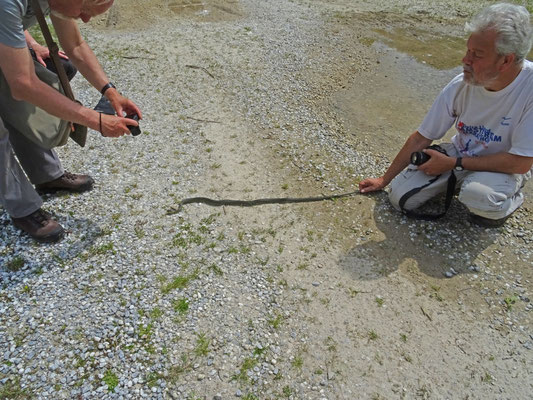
(40, 226)
(69, 182)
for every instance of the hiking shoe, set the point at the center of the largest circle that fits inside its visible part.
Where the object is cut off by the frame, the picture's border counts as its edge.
(40, 226)
(487, 222)
(69, 182)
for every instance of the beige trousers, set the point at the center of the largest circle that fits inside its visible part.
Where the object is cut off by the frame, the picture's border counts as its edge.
(490, 195)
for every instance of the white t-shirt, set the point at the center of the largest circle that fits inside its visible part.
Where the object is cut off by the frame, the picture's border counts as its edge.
(486, 122)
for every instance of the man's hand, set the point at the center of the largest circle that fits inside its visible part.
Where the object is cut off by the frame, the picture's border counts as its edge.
(371, 184)
(122, 105)
(112, 126)
(437, 164)
(42, 53)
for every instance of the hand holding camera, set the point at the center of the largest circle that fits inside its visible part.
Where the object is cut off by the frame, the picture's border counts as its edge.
(105, 107)
(419, 157)
(135, 130)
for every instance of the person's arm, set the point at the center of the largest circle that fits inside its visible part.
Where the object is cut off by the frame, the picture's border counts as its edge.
(86, 62)
(17, 67)
(506, 163)
(415, 142)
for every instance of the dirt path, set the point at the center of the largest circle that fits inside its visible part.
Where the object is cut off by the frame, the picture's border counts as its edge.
(363, 307)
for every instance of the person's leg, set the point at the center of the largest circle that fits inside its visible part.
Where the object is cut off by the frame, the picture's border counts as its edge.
(40, 165)
(491, 195)
(17, 194)
(404, 193)
(43, 167)
(19, 198)
(404, 186)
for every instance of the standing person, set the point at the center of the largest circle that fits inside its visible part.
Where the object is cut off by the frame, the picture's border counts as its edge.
(491, 105)
(43, 168)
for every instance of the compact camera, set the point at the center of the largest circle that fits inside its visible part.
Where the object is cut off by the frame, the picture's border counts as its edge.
(135, 130)
(419, 157)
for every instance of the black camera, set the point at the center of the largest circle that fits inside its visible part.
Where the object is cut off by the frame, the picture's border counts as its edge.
(419, 157)
(135, 130)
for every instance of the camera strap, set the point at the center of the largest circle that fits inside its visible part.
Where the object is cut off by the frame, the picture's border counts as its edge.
(452, 180)
(79, 132)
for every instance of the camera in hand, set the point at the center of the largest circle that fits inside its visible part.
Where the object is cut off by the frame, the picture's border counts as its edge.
(135, 130)
(419, 157)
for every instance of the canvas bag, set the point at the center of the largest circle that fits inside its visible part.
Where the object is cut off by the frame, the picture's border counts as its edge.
(37, 125)
(43, 129)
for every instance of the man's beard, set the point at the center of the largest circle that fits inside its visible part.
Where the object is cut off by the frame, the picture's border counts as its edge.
(471, 79)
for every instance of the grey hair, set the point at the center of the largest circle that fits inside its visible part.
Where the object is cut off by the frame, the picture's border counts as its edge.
(512, 25)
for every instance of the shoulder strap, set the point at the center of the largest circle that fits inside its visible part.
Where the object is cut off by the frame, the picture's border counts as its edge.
(79, 133)
(452, 180)
(53, 48)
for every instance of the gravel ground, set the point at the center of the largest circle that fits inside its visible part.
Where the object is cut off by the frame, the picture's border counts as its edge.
(336, 300)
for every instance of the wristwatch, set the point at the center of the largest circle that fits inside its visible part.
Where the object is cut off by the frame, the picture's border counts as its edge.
(459, 164)
(107, 86)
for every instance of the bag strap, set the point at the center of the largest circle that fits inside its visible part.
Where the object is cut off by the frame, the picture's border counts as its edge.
(79, 132)
(452, 180)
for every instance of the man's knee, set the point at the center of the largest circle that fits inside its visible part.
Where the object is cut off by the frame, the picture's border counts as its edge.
(481, 196)
(491, 201)
(395, 194)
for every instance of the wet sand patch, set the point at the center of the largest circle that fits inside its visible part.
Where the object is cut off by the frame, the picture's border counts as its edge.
(140, 14)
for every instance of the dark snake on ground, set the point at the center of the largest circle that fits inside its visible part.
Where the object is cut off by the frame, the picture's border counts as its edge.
(256, 202)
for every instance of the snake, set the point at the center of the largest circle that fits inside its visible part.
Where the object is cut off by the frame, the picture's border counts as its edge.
(256, 202)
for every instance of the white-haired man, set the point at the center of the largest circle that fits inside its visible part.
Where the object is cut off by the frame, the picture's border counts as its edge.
(491, 105)
(42, 166)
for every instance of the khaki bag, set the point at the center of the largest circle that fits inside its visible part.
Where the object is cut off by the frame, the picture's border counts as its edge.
(37, 125)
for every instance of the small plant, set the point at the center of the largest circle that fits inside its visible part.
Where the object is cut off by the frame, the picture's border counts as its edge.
(403, 337)
(246, 366)
(509, 301)
(152, 378)
(287, 391)
(181, 306)
(330, 344)
(202, 345)
(285, 186)
(298, 362)
(111, 380)
(216, 269)
(13, 390)
(275, 322)
(379, 301)
(16, 264)
(372, 335)
(145, 331)
(302, 266)
(179, 282)
(156, 313)
(259, 351)
(487, 378)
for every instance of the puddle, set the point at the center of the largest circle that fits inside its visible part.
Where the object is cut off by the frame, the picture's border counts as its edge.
(437, 51)
(382, 109)
(218, 9)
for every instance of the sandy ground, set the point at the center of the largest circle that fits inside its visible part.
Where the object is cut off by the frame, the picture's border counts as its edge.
(376, 311)
(365, 309)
